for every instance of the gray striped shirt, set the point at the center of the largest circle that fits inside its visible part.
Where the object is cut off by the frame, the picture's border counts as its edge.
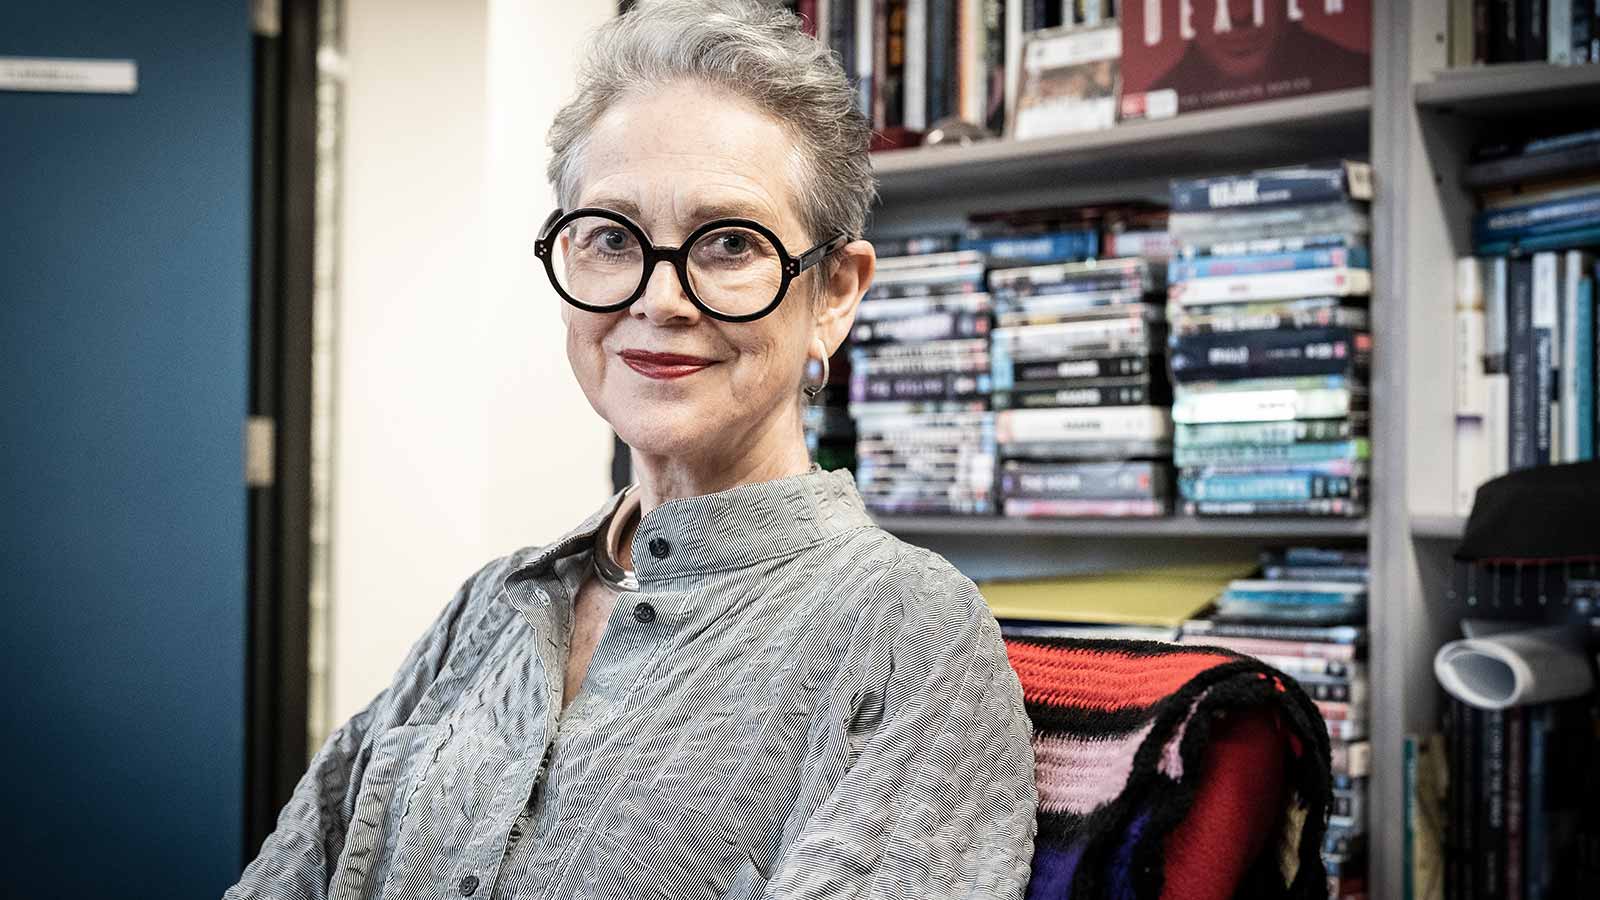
(794, 704)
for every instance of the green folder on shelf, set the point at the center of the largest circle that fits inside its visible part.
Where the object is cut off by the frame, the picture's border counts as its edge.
(1165, 596)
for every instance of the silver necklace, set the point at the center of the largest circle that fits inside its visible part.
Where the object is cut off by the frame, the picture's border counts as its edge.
(608, 543)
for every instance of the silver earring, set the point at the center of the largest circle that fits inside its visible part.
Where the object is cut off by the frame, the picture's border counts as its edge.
(812, 390)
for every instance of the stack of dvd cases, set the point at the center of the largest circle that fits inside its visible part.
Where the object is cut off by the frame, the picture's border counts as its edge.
(1305, 616)
(1269, 347)
(919, 384)
(1081, 390)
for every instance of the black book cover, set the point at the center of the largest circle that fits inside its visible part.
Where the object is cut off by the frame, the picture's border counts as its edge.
(1491, 821)
(1523, 451)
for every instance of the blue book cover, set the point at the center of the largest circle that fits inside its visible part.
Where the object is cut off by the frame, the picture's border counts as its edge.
(1560, 214)
(1556, 240)
(1266, 488)
(1274, 187)
(1058, 246)
(1259, 264)
(1583, 364)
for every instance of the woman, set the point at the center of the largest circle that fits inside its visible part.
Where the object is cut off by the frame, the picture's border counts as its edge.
(727, 682)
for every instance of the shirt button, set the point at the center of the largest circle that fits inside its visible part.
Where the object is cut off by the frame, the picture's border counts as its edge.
(468, 885)
(644, 613)
(659, 548)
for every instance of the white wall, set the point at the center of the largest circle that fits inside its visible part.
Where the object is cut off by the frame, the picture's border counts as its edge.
(459, 432)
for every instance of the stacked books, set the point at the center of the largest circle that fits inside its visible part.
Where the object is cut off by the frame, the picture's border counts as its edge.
(919, 384)
(1522, 816)
(1305, 616)
(1561, 32)
(1081, 390)
(1269, 345)
(1525, 310)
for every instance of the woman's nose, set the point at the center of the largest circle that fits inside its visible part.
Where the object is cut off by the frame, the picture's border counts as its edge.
(663, 300)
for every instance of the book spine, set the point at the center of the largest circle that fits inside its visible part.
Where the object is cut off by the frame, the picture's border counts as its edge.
(1133, 392)
(1496, 319)
(1569, 272)
(933, 327)
(1583, 32)
(1480, 32)
(1138, 480)
(1502, 31)
(890, 100)
(1559, 41)
(1334, 282)
(1266, 488)
(929, 386)
(1531, 166)
(1520, 222)
(1520, 364)
(1226, 323)
(915, 75)
(1273, 453)
(1103, 367)
(1546, 323)
(1497, 423)
(1516, 720)
(1107, 423)
(866, 44)
(1492, 814)
(1536, 855)
(941, 24)
(1578, 362)
(1274, 433)
(1260, 264)
(1261, 406)
(1266, 354)
(994, 66)
(1022, 250)
(1346, 181)
(1015, 23)
(1531, 25)
(807, 11)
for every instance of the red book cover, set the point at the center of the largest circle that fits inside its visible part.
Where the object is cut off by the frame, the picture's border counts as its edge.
(1183, 56)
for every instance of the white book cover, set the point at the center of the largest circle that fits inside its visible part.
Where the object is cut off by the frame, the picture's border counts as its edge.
(1494, 324)
(1572, 272)
(1104, 423)
(1497, 423)
(1470, 397)
(915, 85)
(1547, 352)
(1279, 405)
(1336, 282)
(1469, 283)
(1472, 460)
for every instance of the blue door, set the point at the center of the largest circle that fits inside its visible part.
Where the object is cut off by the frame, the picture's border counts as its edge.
(124, 337)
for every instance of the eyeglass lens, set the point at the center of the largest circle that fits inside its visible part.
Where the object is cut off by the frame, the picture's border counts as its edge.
(733, 270)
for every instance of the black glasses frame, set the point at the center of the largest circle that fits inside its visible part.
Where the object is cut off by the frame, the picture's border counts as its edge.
(791, 266)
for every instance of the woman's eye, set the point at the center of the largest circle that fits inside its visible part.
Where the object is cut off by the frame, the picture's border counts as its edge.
(614, 239)
(734, 244)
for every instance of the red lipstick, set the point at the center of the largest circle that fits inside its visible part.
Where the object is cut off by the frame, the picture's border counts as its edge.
(663, 366)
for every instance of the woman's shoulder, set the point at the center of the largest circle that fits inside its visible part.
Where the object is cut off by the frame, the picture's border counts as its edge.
(920, 588)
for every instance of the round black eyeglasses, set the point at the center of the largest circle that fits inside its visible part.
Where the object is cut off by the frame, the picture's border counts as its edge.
(735, 270)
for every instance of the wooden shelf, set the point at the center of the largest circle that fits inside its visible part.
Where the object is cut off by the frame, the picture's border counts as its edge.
(1177, 527)
(1270, 132)
(1441, 527)
(1513, 89)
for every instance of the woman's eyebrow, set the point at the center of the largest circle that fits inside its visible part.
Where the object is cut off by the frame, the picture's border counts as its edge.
(702, 213)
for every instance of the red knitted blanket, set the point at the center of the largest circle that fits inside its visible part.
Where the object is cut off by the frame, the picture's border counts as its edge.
(1151, 761)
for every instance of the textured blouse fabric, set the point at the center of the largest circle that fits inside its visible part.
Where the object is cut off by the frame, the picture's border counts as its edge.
(794, 704)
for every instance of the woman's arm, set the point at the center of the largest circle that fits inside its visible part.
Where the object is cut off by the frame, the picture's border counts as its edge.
(941, 802)
(296, 860)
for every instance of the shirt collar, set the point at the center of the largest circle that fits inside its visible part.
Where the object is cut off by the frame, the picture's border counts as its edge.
(725, 530)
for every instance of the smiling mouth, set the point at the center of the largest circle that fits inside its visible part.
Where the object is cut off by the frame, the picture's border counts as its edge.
(663, 366)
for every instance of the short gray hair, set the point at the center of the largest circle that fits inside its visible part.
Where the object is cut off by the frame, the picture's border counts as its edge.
(754, 50)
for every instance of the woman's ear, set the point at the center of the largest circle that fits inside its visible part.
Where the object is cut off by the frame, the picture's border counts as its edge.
(848, 279)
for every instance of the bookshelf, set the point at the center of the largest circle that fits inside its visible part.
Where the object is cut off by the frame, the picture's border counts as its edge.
(1237, 137)
(1516, 88)
(1417, 123)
